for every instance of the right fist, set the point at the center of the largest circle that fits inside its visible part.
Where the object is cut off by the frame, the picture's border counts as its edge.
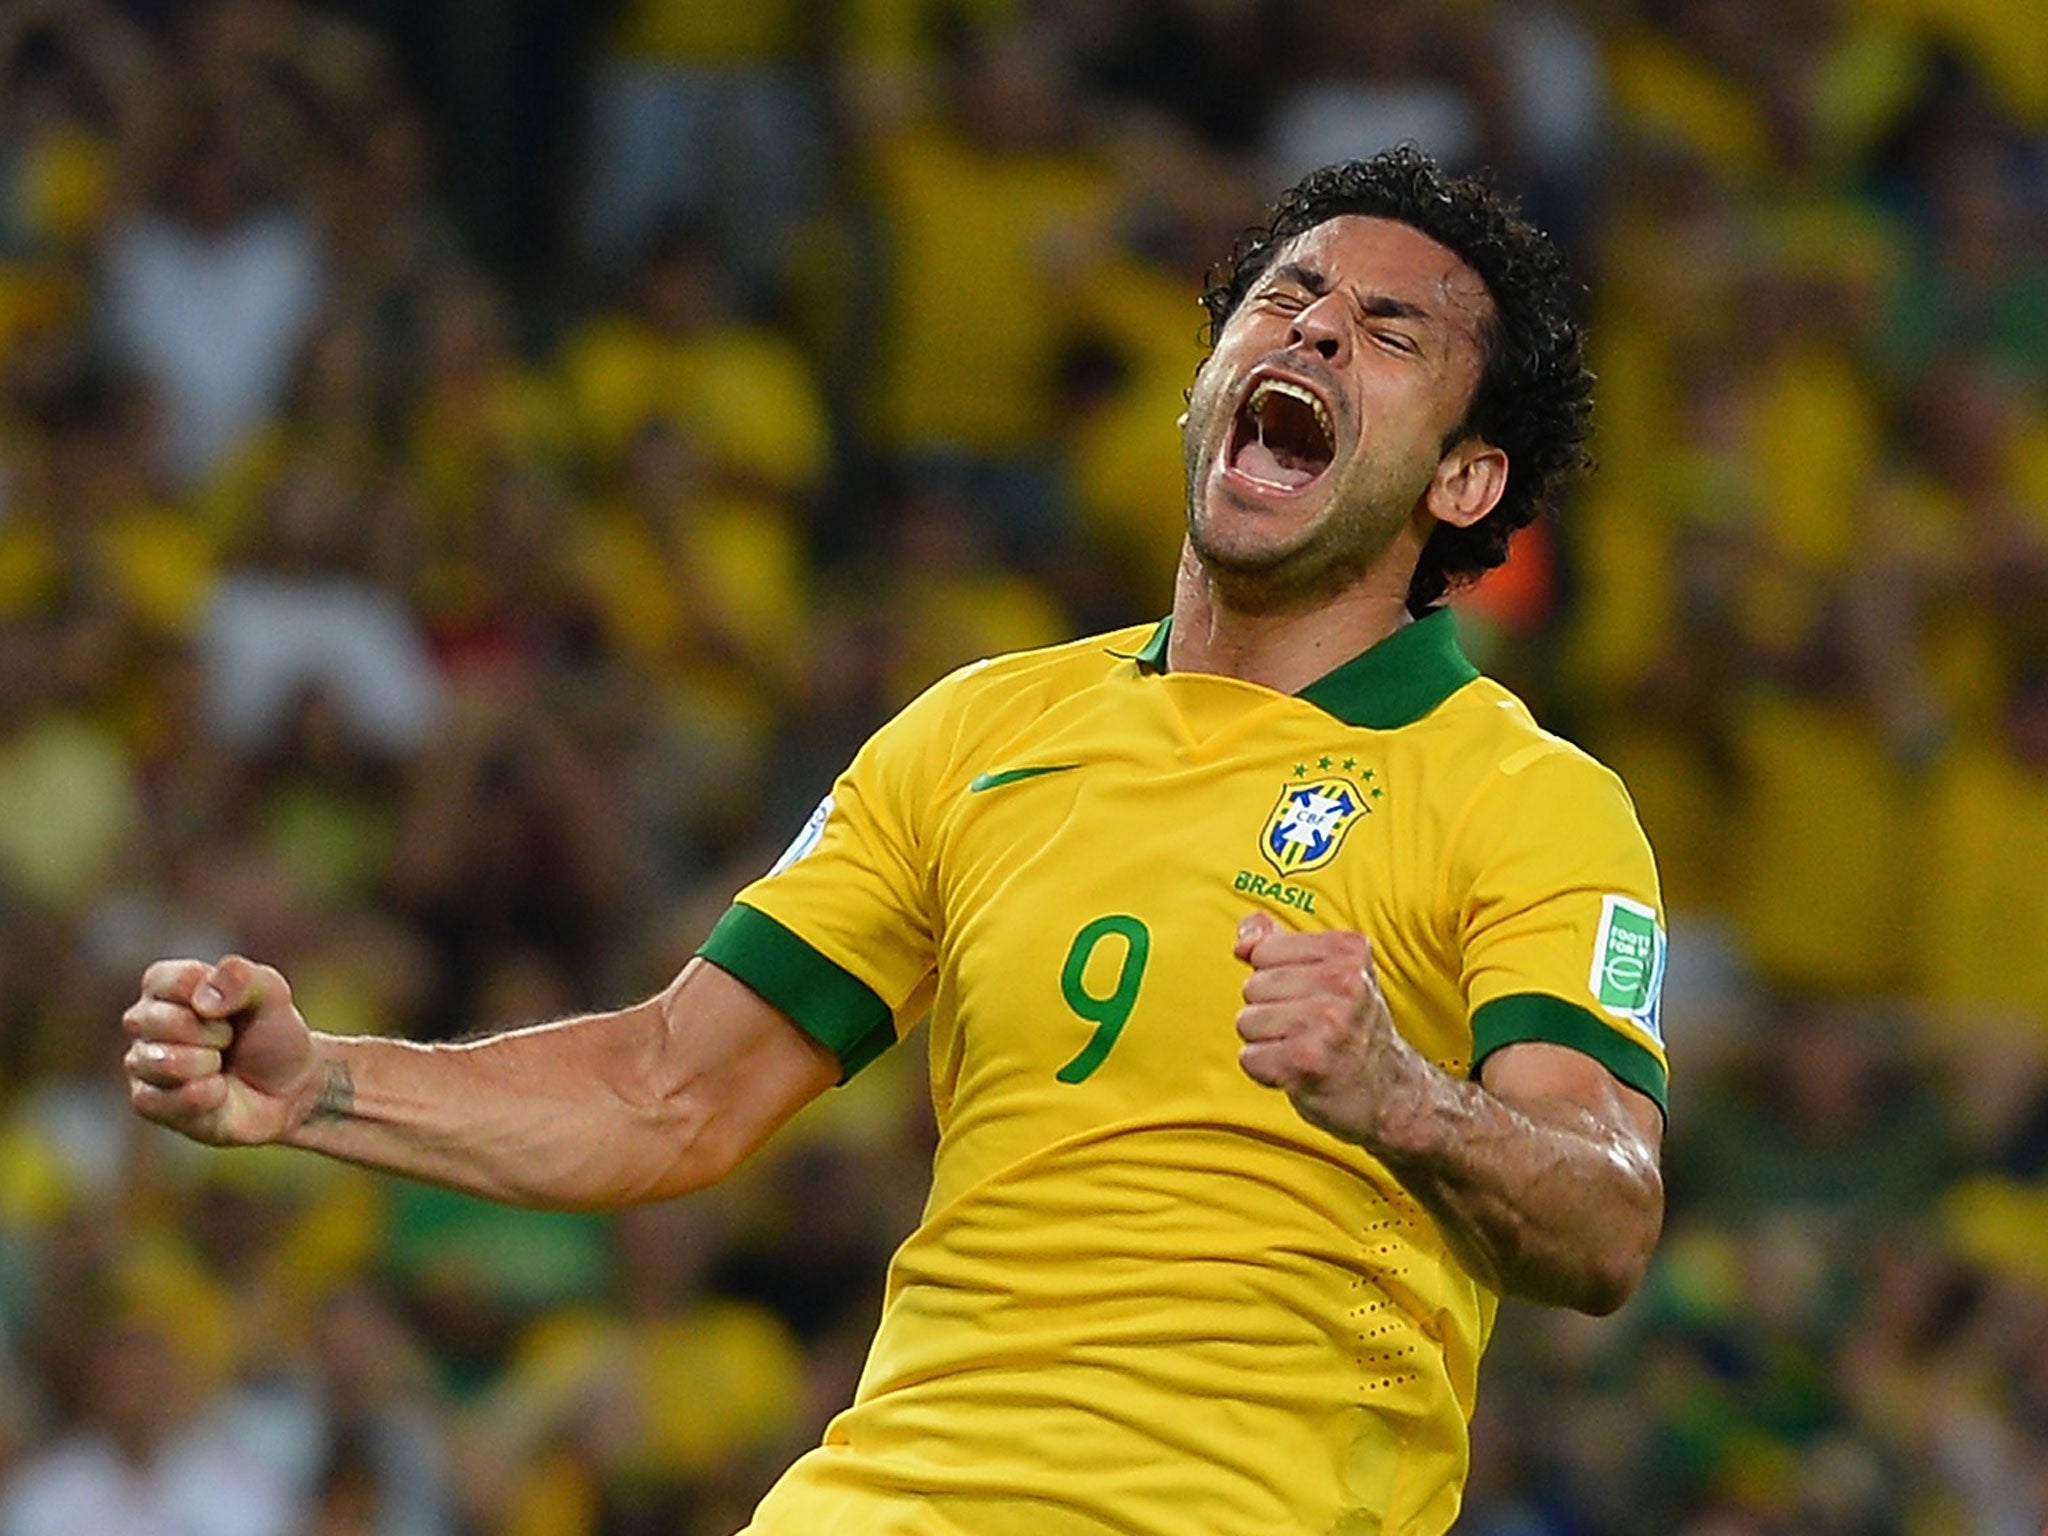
(219, 1052)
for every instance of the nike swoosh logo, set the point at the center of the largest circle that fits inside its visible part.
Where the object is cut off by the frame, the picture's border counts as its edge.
(1012, 775)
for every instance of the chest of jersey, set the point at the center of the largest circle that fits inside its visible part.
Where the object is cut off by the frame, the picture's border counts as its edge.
(1090, 878)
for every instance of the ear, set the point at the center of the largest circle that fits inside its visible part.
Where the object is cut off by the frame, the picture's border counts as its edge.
(1468, 484)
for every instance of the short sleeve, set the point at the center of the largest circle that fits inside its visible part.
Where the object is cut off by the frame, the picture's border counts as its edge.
(840, 933)
(1560, 927)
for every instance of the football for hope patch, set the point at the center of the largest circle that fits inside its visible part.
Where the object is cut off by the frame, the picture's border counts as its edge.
(1628, 964)
(805, 840)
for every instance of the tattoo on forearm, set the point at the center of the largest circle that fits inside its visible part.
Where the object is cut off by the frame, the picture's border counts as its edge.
(337, 1099)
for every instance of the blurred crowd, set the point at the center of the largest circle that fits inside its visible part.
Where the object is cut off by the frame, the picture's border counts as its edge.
(468, 481)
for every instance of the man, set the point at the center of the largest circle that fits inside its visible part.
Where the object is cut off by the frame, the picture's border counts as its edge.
(1150, 1294)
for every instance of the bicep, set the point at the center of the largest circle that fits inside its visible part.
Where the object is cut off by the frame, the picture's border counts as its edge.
(1530, 1074)
(744, 1067)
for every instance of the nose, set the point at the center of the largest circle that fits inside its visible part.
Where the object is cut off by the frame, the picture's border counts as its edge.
(1321, 326)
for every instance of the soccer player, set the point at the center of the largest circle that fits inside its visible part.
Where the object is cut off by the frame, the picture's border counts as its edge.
(1293, 996)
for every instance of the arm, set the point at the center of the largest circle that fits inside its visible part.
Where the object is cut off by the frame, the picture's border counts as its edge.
(1542, 1175)
(605, 1110)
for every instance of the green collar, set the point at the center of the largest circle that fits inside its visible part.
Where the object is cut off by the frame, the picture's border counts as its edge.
(1383, 688)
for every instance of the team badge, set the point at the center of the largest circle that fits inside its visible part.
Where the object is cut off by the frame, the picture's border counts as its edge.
(1307, 826)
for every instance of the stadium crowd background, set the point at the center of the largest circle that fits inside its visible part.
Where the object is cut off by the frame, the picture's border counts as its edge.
(470, 473)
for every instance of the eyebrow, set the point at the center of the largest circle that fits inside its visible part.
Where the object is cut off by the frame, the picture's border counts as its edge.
(1371, 306)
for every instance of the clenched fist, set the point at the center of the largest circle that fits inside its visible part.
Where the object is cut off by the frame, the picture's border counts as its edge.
(1315, 1025)
(220, 1053)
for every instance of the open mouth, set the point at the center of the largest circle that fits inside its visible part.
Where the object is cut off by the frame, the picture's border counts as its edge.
(1282, 439)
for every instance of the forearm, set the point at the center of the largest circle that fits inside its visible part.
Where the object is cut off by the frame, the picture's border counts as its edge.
(572, 1115)
(641, 1104)
(1542, 1200)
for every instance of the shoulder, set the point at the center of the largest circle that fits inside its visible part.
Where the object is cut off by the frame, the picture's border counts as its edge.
(1487, 737)
(1522, 783)
(976, 708)
(1020, 682)
(1070, 664)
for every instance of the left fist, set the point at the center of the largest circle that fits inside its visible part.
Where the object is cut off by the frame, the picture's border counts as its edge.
(1315, 1025)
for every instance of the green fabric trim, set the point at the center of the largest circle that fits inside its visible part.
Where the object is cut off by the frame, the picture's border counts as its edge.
(1152, 654)
(1399, 680)
(1539, 1016)
(821, 997)
(1392, 684)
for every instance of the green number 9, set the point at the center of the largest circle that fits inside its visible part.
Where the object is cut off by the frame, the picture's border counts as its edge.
(1108, 1014)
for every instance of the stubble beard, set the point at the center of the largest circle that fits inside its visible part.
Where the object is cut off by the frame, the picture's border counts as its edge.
(1347, 540)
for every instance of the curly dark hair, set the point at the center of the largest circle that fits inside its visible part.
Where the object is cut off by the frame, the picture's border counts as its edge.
(1534, 400)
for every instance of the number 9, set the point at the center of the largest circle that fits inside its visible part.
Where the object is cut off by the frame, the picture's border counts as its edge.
(1109, 1014)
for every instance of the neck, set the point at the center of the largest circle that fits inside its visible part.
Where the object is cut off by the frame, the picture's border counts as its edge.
(1284, 648)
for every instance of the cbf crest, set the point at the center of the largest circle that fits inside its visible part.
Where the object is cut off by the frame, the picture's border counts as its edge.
(1308, 825)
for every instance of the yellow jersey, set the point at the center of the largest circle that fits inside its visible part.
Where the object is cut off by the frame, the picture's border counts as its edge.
(1146, 1296)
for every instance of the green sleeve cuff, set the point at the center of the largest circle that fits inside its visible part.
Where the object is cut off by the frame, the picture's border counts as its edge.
(821, 997)
(1539, 1016)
